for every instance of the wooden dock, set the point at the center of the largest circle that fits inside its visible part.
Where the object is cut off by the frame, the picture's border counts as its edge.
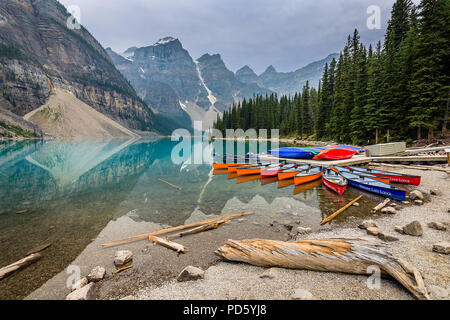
(362, 159)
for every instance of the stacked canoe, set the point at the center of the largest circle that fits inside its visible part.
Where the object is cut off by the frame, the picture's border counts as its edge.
(335, 178)
(337, 152)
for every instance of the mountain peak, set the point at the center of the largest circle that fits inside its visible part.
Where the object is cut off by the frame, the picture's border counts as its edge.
(245, 69)
(270, 69)
(165, 40)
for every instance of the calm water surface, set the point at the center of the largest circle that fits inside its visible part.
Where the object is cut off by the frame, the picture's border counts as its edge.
(65, 192)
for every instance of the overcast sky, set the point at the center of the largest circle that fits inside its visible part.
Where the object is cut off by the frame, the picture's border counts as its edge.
(287, 34)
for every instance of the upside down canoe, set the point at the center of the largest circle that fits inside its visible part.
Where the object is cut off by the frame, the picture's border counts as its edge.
(311, 174)
(335, 154)
(394, 177)
(245, 171)
(374, 186)
(292, 152)
(334, 181)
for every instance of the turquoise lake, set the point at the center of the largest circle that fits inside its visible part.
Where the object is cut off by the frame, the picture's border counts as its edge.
(66, 192)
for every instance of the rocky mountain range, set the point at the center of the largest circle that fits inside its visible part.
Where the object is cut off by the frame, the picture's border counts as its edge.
(39, 52)
(179, 88)
(285, 83)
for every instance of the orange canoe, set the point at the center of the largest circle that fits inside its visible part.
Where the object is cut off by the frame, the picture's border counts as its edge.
(290, 173)
(308, 175)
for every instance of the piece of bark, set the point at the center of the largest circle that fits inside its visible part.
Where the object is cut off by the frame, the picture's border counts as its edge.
(206, 227)
(174, 229)
(168, 244)
(381, 205)
(8, 270)
(329, 255)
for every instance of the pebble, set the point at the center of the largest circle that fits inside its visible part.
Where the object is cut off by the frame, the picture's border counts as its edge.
(442, 247)
(269, 273)
(97, 274)
(387, 237)
(399, 229)
(416, 194)
(367, 224)
(85, 293)
(413, 229)
(302, 294)
(438, 292)
(302, 230)
(122, 257)
(356, 204)
(405, 202)
(437, 226)
(418, 202)
(388, 210)
(191, 273)
(128, 298)
(373, 231)
(435, 192)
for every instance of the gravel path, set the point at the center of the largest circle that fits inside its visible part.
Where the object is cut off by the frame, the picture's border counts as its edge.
(241, 281)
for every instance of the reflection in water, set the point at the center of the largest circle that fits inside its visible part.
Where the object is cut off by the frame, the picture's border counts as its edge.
(66, 192)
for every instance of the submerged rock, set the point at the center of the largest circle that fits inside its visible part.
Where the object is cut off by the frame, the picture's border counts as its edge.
(122, 257)
(191, 273)
(301, 230)
(413, 229)
(85, 293)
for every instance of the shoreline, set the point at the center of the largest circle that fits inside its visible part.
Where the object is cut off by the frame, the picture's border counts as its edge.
(225, 280)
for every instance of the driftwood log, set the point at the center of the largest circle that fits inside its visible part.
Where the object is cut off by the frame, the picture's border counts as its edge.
(179, 248)
(206, 227)
(174, 229)
(6, 271)
(331, 217)
(170, 184)
(381, 205)
(352, 256)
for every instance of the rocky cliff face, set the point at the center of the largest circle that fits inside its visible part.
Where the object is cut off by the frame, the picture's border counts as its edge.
(286, 82)
(38, 53)
(223, 83)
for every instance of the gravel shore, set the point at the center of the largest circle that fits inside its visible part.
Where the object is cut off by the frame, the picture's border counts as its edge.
(227, 280)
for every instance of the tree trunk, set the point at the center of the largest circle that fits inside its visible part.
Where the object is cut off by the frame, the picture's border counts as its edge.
(352, 256)
(444, 124)
(430, 135)
(419, 132)
(376, 136)
(388, 138)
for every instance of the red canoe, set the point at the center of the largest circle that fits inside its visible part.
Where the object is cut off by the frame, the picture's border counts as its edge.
(270, 172)
(334, 181)
(335, 154)
(394, 177)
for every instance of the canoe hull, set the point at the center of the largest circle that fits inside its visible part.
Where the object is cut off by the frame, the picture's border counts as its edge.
(385, 192)
(286, 175)
(339, 189)
(292, 153)
(335, 154)
(396, 178)
(305, 179)
(247, 171)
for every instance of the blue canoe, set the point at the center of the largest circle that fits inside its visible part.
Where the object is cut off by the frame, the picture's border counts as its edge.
(374, 186)
(292, 152)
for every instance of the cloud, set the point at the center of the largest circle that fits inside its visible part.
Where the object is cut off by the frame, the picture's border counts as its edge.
(285, 33)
